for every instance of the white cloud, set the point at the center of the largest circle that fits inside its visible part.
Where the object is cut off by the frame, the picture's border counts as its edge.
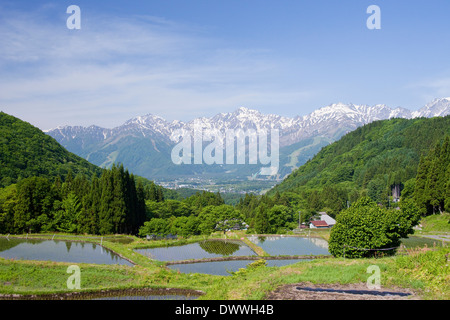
(429, 89)
(115, 69)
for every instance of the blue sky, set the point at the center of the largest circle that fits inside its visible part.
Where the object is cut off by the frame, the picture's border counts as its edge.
(181, 59)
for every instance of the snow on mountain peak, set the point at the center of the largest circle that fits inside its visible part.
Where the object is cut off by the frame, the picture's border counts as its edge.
(327, 121)
(436, 108)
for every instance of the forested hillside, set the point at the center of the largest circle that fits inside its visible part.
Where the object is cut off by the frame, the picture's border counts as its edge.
(374, 160)
(26, 151)
(110, 204)
(432, 184)
(43, 187)
(46, 188)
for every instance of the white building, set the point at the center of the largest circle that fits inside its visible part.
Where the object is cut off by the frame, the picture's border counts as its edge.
(329, 220)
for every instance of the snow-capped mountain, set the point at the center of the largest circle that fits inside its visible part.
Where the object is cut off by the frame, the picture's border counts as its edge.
(143, 143)
(436, 108)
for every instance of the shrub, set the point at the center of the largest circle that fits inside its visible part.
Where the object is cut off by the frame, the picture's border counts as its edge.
(365, 226)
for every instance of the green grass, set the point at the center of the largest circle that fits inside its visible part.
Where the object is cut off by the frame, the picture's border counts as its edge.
(436, 223)
(424, 270)
(42, 277)
(427, 273)
(257, 249)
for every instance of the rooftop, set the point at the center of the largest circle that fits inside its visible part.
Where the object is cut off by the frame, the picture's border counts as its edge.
(319, 223)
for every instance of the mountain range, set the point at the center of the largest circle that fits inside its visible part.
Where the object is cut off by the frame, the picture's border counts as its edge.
(384, 160)
(144, 144)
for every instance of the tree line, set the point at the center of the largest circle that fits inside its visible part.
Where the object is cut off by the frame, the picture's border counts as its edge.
(206, 212)
(432, 183)
(111, 203)
(373, 160)
(202, 213)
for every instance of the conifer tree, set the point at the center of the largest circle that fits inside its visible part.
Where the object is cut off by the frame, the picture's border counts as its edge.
(67, 185)
(420, 188)
(140, 206)
(261, 221)
(106, 210)
(35, 197)
(159, 195)
(152, 192)
(432, 191)
(94, 208)
(447, 190)
(118, 202)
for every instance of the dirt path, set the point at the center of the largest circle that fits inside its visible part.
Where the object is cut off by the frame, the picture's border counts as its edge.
(306, 291)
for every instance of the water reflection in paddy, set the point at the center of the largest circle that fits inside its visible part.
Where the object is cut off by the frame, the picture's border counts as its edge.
(223, 268)
(199, 250)
(414, 242)
(57, 250)
(285, 245)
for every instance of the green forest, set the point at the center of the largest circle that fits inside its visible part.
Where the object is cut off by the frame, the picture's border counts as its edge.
(372, 161)
(113, 203)
(26, 151)
(45, 188)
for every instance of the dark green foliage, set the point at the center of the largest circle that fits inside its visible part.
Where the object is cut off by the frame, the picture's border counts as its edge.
(261, 221)
(371, 161)
(122, 204)
(432, 180)
(225, 248)
(447, 191)
(190, 216)
(266, 214)
(105, 205)
(366, 226)
(153, 192)
(8, 202)
(280, 219)
(26, 151)
(35, 198)
(204, 199)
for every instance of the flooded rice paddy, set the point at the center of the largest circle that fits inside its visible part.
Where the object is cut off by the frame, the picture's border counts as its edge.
(58, 250)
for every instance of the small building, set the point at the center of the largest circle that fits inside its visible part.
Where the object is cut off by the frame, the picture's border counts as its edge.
(329, 220)
(318, 224)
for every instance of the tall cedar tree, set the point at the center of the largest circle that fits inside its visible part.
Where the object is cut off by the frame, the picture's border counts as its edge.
(432, 180)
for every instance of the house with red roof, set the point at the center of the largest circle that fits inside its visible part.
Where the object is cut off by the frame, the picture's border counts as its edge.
(318, 224)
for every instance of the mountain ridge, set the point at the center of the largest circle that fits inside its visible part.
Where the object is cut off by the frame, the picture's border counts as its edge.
(155, 124)
(104, 146)
(379, 160)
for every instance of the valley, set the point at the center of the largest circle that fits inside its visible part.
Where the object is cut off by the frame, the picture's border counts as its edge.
(212, 158)
(224, 186)
(119, 213)
(144, 144)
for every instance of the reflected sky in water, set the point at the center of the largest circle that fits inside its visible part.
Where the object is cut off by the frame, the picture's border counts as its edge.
(222, 268)
(198, 250)
(57, 250)
(284, 245)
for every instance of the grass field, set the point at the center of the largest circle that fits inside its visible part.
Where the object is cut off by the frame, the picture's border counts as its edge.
(425, 270)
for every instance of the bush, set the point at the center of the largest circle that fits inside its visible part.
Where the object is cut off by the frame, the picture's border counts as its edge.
(365, 226)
